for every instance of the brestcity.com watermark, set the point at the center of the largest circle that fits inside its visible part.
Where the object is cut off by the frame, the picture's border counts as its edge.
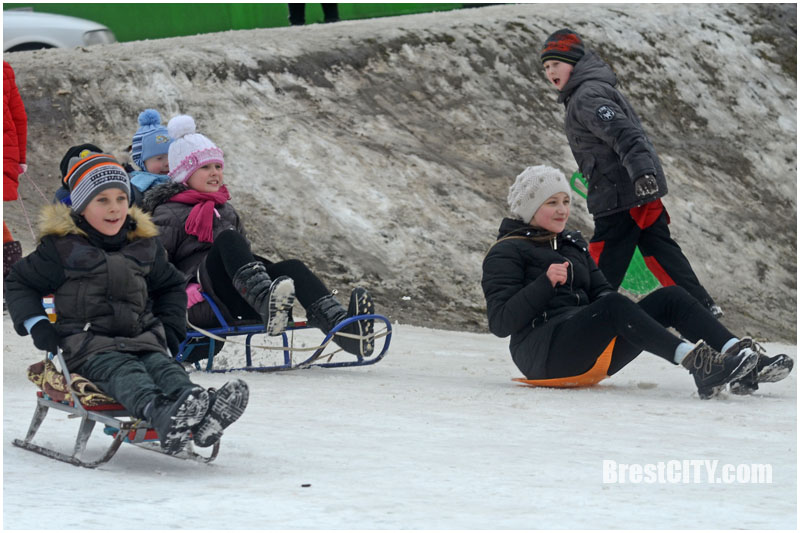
(686, 471)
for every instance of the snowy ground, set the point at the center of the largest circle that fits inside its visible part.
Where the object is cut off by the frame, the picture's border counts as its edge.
(435, 436)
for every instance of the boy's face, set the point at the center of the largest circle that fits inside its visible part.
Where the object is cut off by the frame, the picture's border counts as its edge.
(553, 214)
(207, 178)
(107, 211)
(557, 72)
(157, 165)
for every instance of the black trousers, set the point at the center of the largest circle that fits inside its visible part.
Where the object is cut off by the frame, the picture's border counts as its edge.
(578, 341)
(615, 239)
(133, 379)
(231, 251)
(297, 13)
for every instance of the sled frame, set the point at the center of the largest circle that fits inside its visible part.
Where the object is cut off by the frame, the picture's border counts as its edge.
(113, 416)
(317, 359)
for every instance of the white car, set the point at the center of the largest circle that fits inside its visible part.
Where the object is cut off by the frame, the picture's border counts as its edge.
(27, 30)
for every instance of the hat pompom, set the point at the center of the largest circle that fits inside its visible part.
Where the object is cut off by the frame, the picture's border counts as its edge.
(180, 126)
(149, 117)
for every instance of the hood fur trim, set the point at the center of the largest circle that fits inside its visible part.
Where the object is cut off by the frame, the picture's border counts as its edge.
(56, 219)
(161, 193)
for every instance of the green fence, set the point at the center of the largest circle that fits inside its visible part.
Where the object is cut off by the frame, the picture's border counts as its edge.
(132, 22)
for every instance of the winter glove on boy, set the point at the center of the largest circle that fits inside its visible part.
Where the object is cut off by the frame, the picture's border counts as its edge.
(645, 186)
(45, 336)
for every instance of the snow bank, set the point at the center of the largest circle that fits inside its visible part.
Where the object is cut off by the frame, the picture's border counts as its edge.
(380, 151)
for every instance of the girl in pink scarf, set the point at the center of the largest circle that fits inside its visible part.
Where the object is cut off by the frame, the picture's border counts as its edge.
(205, 238)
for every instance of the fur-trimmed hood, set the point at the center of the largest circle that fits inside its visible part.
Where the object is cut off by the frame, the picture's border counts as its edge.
(161, 193)
(56, 219)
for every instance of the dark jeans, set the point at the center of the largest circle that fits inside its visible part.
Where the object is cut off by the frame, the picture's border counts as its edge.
(231, 251)
(297, 13)
(578, 342)
(134, 379)
(617, 235)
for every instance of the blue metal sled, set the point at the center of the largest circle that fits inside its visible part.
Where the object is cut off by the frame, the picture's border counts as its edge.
(326, 354)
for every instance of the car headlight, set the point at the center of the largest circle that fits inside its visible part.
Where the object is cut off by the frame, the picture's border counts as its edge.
(98, 37)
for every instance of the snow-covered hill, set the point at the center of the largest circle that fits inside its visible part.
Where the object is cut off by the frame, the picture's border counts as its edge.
(435, 436)
(381, 151)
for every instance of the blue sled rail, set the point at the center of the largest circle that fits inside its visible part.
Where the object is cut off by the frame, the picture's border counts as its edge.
(209, 342)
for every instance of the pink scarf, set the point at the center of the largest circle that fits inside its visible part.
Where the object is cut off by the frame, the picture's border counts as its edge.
(200, 221)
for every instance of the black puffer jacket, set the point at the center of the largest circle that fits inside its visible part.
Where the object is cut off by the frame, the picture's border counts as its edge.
(185, 251)
(108, 298)
(518, 291)
(607, 139)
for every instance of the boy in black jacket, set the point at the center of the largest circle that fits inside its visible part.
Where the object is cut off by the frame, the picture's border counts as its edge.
(121, 304)
(626, 181)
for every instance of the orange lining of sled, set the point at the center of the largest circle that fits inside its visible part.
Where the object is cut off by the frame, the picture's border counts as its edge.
(596, 374)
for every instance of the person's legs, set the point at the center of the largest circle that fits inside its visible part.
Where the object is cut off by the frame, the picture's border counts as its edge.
(124, 377)
(331, 12)
(664, 258)
(578, 341)
(167, 374)
(674, 307)
(613, 244)
(243, 284)
(308, 287)
(297, 14)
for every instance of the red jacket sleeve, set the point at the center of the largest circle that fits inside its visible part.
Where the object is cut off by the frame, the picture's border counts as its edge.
(15, 133)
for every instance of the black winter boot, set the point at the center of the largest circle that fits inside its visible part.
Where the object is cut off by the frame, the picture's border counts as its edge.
(767, 370)
(173, 420)
(327, 312)
(272, 299)
(713, 370)
(226, 406)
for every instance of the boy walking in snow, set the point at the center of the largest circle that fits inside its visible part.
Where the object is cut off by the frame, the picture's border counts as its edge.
(121, 304)
(624, 175)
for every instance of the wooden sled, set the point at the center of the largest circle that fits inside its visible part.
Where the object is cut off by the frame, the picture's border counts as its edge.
(118, 423)
(594, 375)
(326, 355)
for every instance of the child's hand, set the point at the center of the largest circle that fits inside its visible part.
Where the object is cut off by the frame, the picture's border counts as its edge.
(557, 273)
(45, 336)
(193, 295)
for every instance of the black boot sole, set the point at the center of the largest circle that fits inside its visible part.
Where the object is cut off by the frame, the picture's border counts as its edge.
(745, 366)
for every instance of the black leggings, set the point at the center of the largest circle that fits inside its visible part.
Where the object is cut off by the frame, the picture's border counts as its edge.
(231, 251)
(578, 341)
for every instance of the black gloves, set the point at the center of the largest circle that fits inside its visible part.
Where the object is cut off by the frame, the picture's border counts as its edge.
(173, 342)
(45, 336)
(645, 186)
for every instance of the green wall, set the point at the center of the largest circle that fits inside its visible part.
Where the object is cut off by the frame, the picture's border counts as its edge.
(131, 22)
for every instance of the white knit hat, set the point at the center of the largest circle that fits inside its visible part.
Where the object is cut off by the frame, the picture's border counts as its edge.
(189, 150)
(533, 187)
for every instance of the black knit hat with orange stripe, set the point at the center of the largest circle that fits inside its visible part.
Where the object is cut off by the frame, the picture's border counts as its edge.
(564, 45)
(91, 173)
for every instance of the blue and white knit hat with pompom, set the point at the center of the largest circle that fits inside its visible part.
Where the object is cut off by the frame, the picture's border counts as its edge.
(189, 150)
(151, 139)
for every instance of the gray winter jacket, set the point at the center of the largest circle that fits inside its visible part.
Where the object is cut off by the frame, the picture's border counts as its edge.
(106, 301)
(185, 251)
(607, 139)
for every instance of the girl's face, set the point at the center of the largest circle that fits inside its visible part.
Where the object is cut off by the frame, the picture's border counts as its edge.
(207, 178)
(553, 214)
(107, 211)
(557, 73)
(157, 165)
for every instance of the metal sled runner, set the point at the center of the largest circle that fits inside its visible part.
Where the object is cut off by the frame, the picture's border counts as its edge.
(119, 424)
(208, 343)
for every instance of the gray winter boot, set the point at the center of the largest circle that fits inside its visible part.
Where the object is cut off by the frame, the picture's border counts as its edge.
(272, 299)
(173, 420)
(327, 312)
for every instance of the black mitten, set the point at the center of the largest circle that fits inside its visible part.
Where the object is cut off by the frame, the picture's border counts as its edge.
(45, 336)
